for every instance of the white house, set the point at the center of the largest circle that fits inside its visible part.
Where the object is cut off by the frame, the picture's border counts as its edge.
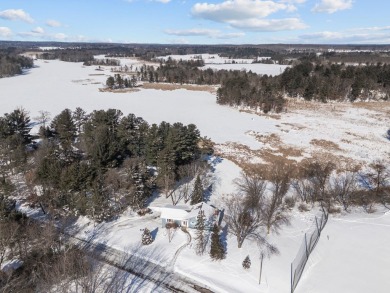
(186, 216)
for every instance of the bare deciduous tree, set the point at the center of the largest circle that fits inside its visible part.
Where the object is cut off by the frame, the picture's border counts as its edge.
(251, 188)
(274, 212)
(342, 188)
(43, 117)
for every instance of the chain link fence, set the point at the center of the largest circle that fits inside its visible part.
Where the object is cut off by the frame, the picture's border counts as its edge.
(309, 242)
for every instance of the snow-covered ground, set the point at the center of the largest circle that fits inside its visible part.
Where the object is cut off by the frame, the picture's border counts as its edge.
(216, 62)
(210, 58)
(357, 252)
(350, 132)
(353, 255)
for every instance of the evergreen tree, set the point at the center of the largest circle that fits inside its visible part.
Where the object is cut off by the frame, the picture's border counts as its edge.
(217, 250)
(110, 82)
(79, 117)
(19, 123)
(197, 194)
(246, 264)
(141, 190)
(200, 235)
(64, 129)
(147, 237)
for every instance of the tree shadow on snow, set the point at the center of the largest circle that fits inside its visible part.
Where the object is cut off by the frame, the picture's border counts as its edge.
(154, 233)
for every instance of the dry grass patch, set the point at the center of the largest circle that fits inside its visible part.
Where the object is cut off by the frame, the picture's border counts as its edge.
(272, 139)
(335, 109)
(382, 106)
(172, 87)
(260, 113)
(119, 91)
(326, 144)
(294, 126)
(341, 162)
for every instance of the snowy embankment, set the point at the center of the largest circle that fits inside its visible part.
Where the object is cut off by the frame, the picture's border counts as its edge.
(353, 255)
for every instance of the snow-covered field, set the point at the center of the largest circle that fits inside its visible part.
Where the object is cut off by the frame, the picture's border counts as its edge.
(216, 62)
(356, 256)
(342, 130)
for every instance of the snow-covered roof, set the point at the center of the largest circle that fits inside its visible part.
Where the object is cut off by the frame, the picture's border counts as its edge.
(175, 212)
(186, 212)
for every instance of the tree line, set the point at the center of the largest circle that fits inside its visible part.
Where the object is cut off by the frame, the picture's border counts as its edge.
(13, 64)
(96, 164)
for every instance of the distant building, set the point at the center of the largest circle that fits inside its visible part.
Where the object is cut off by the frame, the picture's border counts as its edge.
(186, 216)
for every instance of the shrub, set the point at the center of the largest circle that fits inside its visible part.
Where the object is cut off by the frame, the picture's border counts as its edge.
(246, 264)
(303, 207)
(147, 237)
(290, 202)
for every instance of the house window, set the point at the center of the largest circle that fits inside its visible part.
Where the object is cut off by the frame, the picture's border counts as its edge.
(169, 221)
(184, 223)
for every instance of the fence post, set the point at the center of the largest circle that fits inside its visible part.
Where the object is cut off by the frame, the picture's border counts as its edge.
(292, 281)
(307, 252)
(318, 228)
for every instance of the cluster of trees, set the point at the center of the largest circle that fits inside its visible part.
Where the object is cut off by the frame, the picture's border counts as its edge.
(43, 261)
(261, 204)
(103, 62)
(316, 81)
(242, 88)
(217, 248)
(237, 87)
(13, 64)
(96, 164)
(69, 55)
(321, 182)
(119, 82)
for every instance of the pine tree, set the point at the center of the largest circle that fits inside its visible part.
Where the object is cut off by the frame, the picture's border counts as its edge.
(147, 237)
(80, 118)
(64, 129)
(200, 235)
(246, 264)
(217, 251)
(197, 194)
(139, 178)
(110, 82)
(19, 123)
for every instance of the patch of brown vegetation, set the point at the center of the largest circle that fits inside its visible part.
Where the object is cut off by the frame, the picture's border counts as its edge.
(273, 156)
(120, 91)
(356, 135)
(340, 162)
(294, 126)
(326, 144)
(382, 106)
(272, 139)
(335, 109)
(268, 115)
(172, 87)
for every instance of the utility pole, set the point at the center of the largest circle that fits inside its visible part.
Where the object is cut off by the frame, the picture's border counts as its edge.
(261, 266)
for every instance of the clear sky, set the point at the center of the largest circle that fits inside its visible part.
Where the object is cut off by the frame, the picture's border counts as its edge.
(196, 22)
